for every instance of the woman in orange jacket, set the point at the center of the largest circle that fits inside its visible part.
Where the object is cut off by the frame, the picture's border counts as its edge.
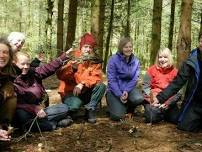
(81, 79)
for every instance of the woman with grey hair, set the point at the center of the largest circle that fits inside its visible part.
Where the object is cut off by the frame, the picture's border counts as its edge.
(16, 40)
(123, 72)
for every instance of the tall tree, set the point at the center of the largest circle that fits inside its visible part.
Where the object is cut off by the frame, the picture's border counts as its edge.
(71, 27)
(48, 27)
(97, 23)
(109, 32)
(201, 23)
(127, 27)
(156, 30)
(184, 36)
(60, 25)
(172, 20)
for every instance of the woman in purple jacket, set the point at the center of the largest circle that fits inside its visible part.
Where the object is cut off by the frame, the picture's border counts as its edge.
(123, 72)
(30, 92)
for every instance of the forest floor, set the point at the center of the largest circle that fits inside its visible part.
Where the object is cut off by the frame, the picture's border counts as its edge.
(108, 136)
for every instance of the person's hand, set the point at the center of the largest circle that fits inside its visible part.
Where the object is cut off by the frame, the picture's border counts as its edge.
(4, 136)
(8, 90)
(155, 102)
(69, 51)
(164, 106)
(41, 114)
(124, 97)
(77, 89)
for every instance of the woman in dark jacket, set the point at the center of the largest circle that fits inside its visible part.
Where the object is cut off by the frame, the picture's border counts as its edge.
(30, 91)
(7, 94)
(123, 72)
(190, 74)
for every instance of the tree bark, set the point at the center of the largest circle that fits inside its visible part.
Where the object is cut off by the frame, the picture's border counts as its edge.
(127, 27)
(172, 21)
(109, 36)
(201, 23)
(97, 23)
(184, 36)
(71, 27)
(60, 25)
(156, 30)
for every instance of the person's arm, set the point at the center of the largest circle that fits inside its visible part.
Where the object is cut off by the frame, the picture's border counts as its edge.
(183, 75)
(112, 78)
(46, 70)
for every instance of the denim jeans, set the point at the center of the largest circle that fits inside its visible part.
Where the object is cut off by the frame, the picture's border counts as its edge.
(117, 109)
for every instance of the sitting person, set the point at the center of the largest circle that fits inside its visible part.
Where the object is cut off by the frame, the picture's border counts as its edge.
(7, 95)
(81, 79)
(123, 72)
(157, 77)
(37, 61)
(16, 40)
(190, 74)
(30, 94)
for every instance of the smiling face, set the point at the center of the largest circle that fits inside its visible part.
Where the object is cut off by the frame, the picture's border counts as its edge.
(86, 49)
(22, 62)
(4, 55)
(127, 49)
(164, 59)
(16, 44)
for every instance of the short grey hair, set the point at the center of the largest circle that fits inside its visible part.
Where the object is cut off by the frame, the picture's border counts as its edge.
(16, 35)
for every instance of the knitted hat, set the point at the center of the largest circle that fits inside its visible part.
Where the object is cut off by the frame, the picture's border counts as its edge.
(89, 39)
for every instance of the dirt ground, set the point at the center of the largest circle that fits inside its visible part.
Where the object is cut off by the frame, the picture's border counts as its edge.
(131, 135)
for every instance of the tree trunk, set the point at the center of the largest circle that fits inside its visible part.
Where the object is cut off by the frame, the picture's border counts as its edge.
(201, 23)
(127, 27)
(71, 27)
(48, 27)
(97, 23)
(172, 21)
(109, 36)
(60, 25)
(156, 30)
(184, 36)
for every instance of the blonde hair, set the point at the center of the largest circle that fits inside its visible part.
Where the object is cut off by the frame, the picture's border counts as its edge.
(17, 54)
(166, 52)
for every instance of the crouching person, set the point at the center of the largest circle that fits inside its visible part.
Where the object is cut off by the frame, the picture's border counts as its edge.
(81, 79)
(30, 94)
(7, 95)
(123, 70)
(158, 77)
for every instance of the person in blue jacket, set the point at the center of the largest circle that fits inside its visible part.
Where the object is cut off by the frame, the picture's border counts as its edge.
(123, 73)
(190, 116)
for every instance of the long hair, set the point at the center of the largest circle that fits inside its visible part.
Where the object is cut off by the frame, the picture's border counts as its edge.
(166, 52)
(123, 41)
(4, 41)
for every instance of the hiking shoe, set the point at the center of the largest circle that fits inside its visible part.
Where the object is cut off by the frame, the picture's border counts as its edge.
(65, 122)
(92, 116)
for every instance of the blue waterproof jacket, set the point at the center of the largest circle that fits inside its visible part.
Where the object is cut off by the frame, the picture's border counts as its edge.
(122, 75)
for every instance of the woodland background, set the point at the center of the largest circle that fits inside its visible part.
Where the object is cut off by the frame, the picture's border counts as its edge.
(56, 25)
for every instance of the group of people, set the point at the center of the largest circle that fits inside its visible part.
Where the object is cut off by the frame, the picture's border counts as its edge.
(23, 98)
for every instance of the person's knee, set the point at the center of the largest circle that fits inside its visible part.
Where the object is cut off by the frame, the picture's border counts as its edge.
(115, 117)
(190, 128)
(73, 105)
